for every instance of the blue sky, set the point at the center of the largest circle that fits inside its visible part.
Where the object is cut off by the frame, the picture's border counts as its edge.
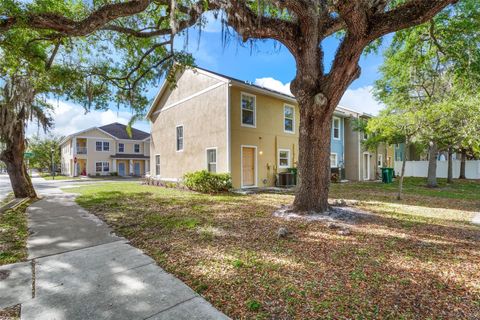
(268, 64)
(265, 60)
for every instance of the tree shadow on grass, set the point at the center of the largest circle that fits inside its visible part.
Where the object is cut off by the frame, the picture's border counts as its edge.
(390, 267)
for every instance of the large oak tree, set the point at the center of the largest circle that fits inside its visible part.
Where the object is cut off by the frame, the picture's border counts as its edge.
(300, 25)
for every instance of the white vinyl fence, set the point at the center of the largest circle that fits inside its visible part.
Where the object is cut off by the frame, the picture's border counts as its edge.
(420, 169)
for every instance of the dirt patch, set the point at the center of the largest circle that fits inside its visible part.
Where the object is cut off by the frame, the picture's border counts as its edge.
(4, 274)
(10, 313)
(341, 214)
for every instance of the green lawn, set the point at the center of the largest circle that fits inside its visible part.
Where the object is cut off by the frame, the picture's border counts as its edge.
(48, 176)
(13, 235)
(418, 258)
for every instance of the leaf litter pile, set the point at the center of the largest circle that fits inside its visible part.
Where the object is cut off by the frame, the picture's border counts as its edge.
(401, 263)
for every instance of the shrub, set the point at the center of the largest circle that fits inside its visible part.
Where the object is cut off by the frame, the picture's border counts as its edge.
(204, 181)
(114, 174)
(253, 305)
(335, 177)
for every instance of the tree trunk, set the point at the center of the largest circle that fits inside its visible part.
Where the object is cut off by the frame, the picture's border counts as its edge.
(450, 169)
(402, 173)
(432, 165)
(15, 111)
(318, 95)
(12, 155)
(463, 164)
(314, 160)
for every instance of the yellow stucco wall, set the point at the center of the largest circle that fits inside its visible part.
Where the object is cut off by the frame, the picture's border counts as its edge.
(204, 120)
(268, 136)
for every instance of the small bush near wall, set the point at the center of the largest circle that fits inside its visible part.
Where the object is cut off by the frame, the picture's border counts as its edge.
(204, 181)
(151, 181)
(335, 177)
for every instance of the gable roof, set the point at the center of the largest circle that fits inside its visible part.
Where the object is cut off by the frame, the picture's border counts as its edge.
(115, 130)
(246, 84)
(119, 131)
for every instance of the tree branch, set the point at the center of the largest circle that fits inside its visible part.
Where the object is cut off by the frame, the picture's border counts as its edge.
(52, 56)
(409, 14)
(67, 26)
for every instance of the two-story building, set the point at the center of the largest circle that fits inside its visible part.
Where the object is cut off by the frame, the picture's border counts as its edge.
(221, 124)
(105, 150)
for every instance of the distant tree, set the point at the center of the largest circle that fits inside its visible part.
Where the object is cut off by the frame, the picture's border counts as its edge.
(431, 69)
(396, 126)
(41, 148)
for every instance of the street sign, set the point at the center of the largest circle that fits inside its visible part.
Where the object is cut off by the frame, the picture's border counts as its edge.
(28, 155)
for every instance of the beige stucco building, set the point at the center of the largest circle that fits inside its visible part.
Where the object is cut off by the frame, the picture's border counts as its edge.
(221, 124)
(105, 150)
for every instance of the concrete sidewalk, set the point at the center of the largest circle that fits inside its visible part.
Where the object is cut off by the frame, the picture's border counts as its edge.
(79, 270)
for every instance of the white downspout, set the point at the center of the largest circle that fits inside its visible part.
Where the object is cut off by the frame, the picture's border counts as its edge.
(228, 128)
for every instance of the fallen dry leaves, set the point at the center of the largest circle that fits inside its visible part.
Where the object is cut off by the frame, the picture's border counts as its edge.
(398, 265)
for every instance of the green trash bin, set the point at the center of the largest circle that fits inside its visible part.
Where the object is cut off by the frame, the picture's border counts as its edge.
(390, 175)
(384, 175)
(387, 175)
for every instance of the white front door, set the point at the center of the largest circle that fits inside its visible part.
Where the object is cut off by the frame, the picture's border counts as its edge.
(366, 166)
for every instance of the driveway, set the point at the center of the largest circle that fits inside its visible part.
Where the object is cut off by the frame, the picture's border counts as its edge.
(79, 269)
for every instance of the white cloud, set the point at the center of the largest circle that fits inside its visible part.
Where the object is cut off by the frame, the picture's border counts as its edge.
(70, 118)
(361, 99)
(273, 84)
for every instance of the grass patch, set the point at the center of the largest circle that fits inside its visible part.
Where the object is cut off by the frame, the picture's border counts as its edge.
(13, 235)
(418, 258)
(48, 176)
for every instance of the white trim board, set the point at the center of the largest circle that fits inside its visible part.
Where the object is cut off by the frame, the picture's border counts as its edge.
(196, 94)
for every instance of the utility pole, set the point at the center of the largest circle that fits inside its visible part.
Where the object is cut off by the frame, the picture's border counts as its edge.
(53, 163)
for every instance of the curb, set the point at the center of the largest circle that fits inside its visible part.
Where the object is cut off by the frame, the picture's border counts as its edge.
(14, 204)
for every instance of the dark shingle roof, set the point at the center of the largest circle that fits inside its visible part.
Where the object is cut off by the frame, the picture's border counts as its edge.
(249, 83)
(129, 156)
(119, 131)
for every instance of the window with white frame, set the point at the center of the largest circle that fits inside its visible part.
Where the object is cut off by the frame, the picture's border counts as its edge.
(102, 166)
(136, 148)
(248, 110)
(333, 160)
(212, 160)
(380, 160)
(288, 118)
(102, 146)
(336, 128)
(284, 158)
(179, 138)
(121, 147)
(157, 164)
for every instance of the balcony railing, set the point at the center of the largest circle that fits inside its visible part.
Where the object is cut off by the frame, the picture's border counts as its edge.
(81, 150)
